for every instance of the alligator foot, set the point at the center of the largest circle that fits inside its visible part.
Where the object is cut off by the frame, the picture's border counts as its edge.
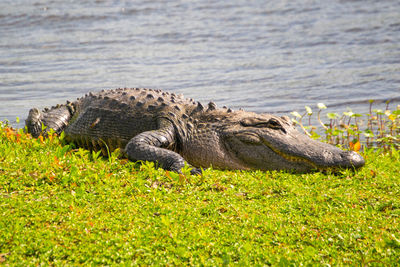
(196, 171)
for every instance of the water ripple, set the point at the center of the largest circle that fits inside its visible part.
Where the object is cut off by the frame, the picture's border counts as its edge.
(267, 57)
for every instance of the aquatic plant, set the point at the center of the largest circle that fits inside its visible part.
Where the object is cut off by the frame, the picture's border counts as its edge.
(376, 129)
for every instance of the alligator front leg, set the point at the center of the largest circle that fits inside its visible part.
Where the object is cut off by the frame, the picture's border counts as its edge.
(151, 146)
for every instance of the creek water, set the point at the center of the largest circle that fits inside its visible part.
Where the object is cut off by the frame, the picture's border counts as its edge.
(263, 56)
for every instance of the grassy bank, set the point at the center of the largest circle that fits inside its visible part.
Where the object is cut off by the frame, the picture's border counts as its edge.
(65, 206)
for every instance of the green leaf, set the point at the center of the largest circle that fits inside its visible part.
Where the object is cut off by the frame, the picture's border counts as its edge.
(309, 250)
(332, 115)
(309, 110)
(337, 132)
(283, 262)
(349, 113)
(296, 114)
(368, 134)
(95, 155)
(392, 241)
(62, 150)
(321, 106)
(295, 121)
(62, 136)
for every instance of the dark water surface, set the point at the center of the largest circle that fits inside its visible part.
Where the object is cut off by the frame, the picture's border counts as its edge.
(264, 56)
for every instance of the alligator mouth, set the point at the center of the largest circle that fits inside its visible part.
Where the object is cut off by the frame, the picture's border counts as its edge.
(292, 159)
(352, 162)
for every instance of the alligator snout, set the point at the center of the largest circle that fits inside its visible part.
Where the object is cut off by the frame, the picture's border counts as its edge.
(340, 159)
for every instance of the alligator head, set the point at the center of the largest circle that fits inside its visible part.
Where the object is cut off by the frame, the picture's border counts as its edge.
(267, 142)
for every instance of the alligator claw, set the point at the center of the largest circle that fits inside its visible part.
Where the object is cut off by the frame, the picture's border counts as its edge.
(196, 171)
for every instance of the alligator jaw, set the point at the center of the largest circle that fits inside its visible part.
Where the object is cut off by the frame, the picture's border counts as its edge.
(292, 159)
(314, 155)
(349, 159)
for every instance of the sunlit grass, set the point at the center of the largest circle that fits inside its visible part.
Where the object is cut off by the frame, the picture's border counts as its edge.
(65, 206)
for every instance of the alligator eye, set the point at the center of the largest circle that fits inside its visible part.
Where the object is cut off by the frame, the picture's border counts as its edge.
(275, 124)
(272, 124)
(248, 122)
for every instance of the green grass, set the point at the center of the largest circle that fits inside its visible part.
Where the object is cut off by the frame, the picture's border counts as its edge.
(64, 206)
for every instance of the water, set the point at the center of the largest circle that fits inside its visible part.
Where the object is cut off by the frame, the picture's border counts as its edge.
(265, 57)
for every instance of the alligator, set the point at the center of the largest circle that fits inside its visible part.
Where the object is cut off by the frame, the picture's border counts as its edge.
(168, 129)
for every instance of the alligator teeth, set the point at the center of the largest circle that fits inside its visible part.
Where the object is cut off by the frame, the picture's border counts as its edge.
(291, 158)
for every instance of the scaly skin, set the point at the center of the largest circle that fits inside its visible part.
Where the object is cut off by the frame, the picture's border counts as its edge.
(153, 125)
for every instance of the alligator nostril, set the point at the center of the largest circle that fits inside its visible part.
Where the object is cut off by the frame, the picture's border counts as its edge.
(356, 159)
